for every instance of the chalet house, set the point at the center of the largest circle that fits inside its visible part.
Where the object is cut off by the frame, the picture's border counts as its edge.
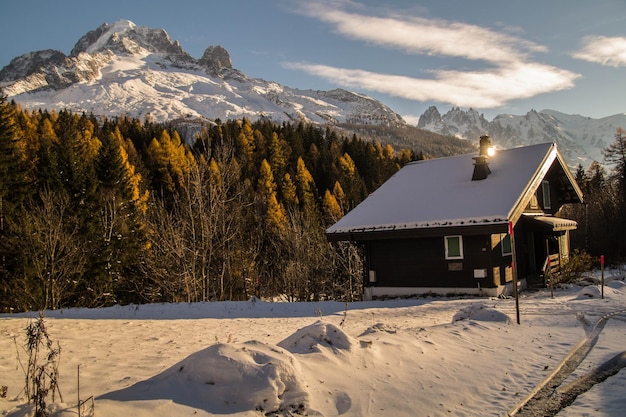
(443, 226)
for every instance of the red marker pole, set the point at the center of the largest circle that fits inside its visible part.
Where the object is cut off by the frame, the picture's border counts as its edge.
(549, 272)
(602, 271)
(514, 270)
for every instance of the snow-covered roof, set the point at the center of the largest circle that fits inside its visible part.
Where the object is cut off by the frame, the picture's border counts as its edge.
(441, 193)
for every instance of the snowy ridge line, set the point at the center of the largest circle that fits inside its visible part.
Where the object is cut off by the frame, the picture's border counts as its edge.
(581, 139)
(577, 353)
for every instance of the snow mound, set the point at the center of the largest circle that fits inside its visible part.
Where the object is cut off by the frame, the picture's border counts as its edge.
(320, 334)
(228, 378)
(591, 291)
(612, 288)
(480, 312)
(380, 328)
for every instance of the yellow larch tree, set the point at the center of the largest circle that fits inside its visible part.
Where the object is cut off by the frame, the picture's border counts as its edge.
(289, 192)
(332, 211)
(305, 185)
(276, 217)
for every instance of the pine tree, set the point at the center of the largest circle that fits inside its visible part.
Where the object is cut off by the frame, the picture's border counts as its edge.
(581, 178)
(157, 160)
(11, 180)
(353, 184)
(305, 185)
(47, 166)
(28, 144)
(615, 154)
(289, 192)
(331, 209)
(275, 215)
(76, 152)
(109, 164)
(277, 158)
(175, 153)
(12, 159)
(340, 197)
(245, 144)
(597, 176)
(266, 184)
(138, 193)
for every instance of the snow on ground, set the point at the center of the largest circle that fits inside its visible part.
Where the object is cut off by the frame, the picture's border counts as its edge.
(411, 357)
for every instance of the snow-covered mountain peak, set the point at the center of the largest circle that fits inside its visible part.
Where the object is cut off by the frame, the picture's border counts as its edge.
(111, 33)
(126, 38)
(454, 122)
(431, 120)
(580, 139)
(125, 69)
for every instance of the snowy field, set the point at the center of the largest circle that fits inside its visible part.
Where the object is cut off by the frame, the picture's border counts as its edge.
(412, 357)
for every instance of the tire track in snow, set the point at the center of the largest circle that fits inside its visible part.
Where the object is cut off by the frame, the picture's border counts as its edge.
(547, 400)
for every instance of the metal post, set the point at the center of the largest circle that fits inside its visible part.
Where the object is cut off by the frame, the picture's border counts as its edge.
(78, 383)
(514, 270)
(602, 273)
(549, 273)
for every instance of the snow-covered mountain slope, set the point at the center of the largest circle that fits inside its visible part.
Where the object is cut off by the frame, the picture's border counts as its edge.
(124, 69)
(580, 139)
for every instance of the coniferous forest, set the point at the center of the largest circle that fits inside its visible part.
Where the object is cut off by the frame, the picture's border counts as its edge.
(602, 218)
(96, 212)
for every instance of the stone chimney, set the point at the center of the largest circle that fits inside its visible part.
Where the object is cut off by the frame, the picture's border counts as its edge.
(481, 162)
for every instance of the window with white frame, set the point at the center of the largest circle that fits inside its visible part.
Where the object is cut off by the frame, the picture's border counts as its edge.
(505, 244)
(545, 190)
(454, 247)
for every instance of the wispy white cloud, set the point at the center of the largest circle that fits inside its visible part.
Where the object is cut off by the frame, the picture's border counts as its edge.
(609, 51)
(417, 35)
(480, 89)
(509, 71)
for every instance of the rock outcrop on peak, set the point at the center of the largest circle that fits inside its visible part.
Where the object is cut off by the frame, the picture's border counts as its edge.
(431, 120)
(30, 63)
(215, 59)
(89, 39)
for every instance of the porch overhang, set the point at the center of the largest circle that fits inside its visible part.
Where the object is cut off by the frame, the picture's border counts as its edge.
(555, 224)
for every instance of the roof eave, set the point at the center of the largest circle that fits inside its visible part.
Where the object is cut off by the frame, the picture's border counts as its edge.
(411, 233)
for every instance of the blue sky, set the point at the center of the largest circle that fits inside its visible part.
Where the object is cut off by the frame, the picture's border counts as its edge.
(492, 55)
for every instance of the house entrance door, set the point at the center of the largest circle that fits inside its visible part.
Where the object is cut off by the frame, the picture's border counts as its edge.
(532, 256)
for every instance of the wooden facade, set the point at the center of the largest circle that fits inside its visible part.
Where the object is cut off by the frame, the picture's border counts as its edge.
(471, 257)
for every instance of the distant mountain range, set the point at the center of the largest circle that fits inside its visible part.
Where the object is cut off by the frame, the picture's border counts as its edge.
(580, 139)
(123, 69)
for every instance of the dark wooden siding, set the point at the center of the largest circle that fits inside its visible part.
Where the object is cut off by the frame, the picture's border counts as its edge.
(422, 263)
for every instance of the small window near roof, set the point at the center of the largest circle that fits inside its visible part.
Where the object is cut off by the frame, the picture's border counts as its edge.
(505, 243)
(545, 189)
(454, 247)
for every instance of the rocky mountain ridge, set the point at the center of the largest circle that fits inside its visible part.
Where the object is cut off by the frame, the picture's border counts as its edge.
(123, 69)
(580, 139)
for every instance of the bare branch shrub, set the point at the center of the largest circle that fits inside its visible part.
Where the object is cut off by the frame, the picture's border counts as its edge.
(42, 371)
(579, 262)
